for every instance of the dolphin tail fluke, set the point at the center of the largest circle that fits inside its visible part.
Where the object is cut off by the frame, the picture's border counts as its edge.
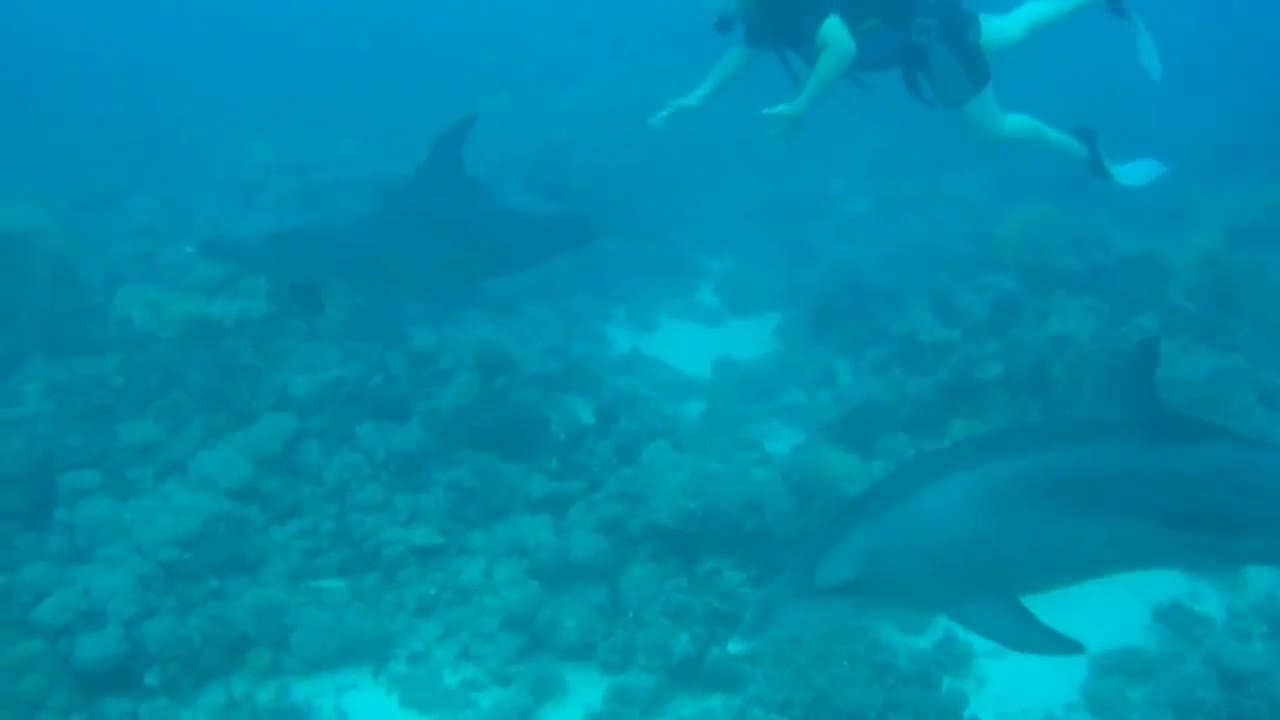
(444, 161)
(1005, 621)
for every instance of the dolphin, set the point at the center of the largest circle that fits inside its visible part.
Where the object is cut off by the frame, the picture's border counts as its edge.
(965, 532)
(436, 234)
(47, 303)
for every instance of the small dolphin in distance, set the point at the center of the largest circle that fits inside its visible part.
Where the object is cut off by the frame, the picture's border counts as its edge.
(436, 235)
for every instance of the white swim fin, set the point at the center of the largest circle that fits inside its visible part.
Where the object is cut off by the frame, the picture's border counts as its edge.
(1138, 173)
(1133, 174)
(1148, 53)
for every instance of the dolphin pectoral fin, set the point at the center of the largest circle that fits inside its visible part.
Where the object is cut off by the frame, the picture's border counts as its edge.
(1005, 620)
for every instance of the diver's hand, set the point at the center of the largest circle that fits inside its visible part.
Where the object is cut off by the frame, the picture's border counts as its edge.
(659, 119)
(784, 116)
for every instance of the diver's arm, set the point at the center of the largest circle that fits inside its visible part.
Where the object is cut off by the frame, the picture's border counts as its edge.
(836, 52)
(729, 67)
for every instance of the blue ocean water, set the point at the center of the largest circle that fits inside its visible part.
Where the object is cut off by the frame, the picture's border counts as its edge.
(383, 361)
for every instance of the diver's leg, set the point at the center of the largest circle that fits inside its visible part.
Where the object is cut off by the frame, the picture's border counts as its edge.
(1008, 29)
(985, 113)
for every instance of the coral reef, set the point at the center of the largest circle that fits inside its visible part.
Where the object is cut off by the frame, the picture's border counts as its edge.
(497, 506)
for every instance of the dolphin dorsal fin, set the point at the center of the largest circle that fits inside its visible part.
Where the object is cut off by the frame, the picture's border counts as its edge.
(1145, 391)
(1130, 386)
(445, 165)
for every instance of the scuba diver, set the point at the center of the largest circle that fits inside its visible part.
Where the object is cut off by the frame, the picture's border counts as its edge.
(940, 47)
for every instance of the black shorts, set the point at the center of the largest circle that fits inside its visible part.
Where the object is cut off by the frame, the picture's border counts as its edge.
(955, 64)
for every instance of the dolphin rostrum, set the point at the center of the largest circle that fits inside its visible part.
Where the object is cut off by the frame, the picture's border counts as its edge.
(966, 531)
(436, 234)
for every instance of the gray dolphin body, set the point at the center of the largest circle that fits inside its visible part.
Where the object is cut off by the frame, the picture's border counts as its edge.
(966, 531)
(433, 235)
